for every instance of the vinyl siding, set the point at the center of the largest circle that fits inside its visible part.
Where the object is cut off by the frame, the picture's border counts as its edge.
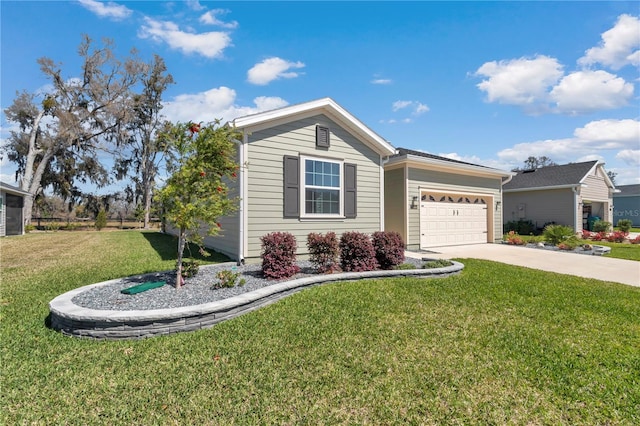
(595, 189)
(265, 181)
(443, 181)
(3, 212)
(394, 200)
(553, 205)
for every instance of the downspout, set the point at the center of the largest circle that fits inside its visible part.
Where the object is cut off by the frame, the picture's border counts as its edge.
(383, 161)
(241, 179)
(575, 209)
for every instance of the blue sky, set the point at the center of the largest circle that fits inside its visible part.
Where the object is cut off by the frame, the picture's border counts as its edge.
(487, 82)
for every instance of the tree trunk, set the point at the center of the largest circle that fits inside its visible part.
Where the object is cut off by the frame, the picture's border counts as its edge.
(182, 238)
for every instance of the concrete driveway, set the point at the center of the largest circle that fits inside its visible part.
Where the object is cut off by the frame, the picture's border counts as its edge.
(598, 267)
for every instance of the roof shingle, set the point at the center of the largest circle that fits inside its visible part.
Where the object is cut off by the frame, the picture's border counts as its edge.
(550, 176)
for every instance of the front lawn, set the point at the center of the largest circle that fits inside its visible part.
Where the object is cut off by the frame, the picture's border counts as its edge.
(620, 250)
(494, 345)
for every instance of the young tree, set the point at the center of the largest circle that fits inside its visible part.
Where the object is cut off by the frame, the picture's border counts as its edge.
(145, 150)
(201, 163)
(59, 137)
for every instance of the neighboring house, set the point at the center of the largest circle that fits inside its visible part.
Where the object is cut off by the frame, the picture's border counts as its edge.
(11, 213)
(436, 201)
(626, 204)
(573, 194)
(314, 167)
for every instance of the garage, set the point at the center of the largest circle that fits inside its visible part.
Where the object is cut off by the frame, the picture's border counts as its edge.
(452, 219)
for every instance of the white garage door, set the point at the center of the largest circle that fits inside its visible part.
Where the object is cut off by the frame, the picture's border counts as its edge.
(447, 220)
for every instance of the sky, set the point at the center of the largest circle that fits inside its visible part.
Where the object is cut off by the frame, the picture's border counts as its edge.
(491, 83)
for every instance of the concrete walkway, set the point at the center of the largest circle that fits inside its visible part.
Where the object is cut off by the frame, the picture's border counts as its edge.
(598, 267)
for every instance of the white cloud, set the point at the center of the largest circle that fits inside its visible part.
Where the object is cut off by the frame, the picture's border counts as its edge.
(106, 10)
(619, 46)
(398, 105)
(194, 5)
(209, 44)
(272, 69)
(521, 81)
(381, 81)
(589, 91)
(590, 140)
(210, 18)
(630, 157)
(216, 103)
(416, 107)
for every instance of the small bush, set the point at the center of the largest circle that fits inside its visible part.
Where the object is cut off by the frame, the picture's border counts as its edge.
(636, 240)
(556, 234)
(389, 248)
(101, 220)
(586, 234)
(625, 225)
(599, 236)
(279, 255)
(189, 268)
(616, 237)
(28, 228)
(514, 239)
(324, 251)
(228, 278)
(601, 226)
(521, 227)
(357, 253)
(438, 263)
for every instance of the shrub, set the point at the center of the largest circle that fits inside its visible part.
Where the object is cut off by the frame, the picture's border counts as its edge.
(189, 268)
(569, 244)
(404, 266)
(324, 251)
(636, 240)
(601, 226)
(228, 278)
(438, 263)
(514, 239)
(586, 234)
(28, 228)
(599, 236)
(389, 248)
(101, 220)
(616, 237)
(279, 255)
(357, 253)
(625, 225)
(556, 234)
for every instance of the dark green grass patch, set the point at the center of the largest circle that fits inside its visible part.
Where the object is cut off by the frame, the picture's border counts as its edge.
(494, 345)
(620, 250)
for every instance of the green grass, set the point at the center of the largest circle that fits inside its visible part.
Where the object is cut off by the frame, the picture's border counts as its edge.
(493, 345)
(619, 250)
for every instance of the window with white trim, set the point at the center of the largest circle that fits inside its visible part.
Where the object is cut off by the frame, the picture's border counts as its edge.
(321, 191)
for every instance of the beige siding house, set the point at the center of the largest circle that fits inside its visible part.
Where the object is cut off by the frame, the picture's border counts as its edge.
(572, 194)
(435, 201)
(311, 167)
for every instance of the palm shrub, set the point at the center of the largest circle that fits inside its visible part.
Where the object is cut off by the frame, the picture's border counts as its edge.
(357, 253)
(389, 248)
(279, 255)
(324, 251)
(556, 234)
(625, 225)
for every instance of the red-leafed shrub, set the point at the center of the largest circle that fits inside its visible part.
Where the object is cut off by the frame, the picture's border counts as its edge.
(636, 240)
(389, 248)
(324, 251)
(616, 237)
(279, 255)
(586, 234)
(514, 239)
(357, 253)
(599, 236)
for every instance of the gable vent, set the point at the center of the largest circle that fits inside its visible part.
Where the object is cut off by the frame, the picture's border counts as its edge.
(322, 137)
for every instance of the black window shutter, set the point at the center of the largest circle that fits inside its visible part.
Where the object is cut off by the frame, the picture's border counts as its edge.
(322, 137)
(350, 190)
(291, 191)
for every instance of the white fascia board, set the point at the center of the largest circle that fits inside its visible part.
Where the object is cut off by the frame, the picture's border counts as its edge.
(451, 167)
(325, 105)
(15, 191)
(543, 188)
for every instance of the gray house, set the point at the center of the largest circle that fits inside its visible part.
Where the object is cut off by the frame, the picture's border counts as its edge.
(11, 210)
(626, 204)
(314, 167)
(572, 194)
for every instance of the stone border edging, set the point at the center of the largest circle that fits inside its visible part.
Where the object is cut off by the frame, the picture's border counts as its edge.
(78, 321)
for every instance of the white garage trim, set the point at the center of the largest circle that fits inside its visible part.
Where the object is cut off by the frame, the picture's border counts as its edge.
(454, 218)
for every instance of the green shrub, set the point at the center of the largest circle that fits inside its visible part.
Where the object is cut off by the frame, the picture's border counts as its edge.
(601, 226)
(625, 225)
(520, 227)
(404, 266)
(556, 234)
(189, 268)
(28, 228)
(101, 220)
(438, 263)
(228, 278)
